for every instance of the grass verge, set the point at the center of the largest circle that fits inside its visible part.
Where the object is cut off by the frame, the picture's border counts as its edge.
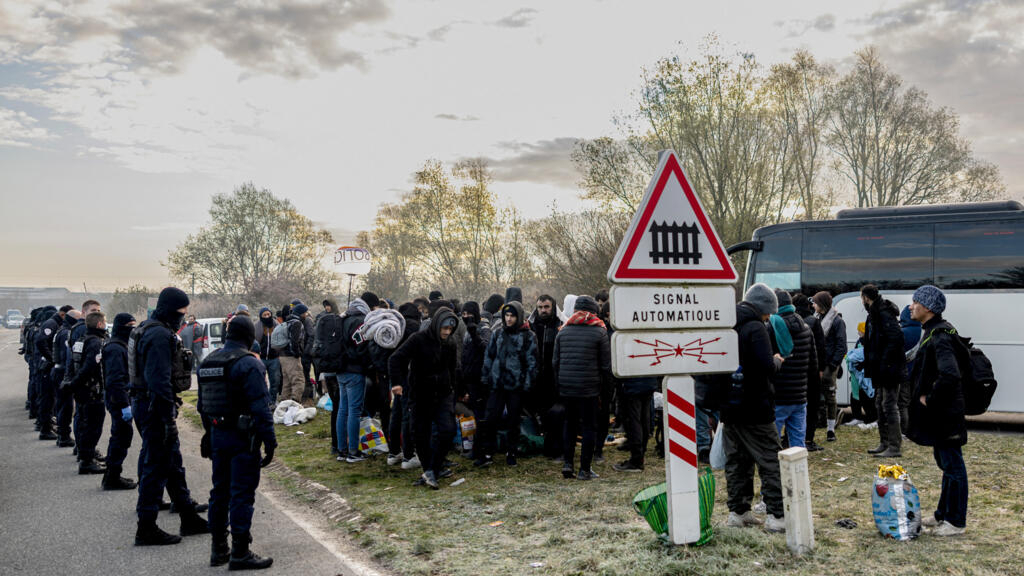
(572, 527)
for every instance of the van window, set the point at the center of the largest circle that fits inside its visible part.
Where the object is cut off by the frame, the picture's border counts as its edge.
(778, 263)
(844, 259)
(980, 255)
(214, 329)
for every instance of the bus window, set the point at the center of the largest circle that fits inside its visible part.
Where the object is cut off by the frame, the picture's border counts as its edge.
(844, 259)
(979, 255)
(778, 263)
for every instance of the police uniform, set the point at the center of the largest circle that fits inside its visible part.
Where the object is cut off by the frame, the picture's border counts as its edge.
(76, 333)
(115, 372)
(87, 386)
(235, 406)
(33, 362)
(65, 402)
(158, 369)
(46, 390)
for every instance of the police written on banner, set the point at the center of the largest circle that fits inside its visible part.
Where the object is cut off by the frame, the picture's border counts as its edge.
(673, 307)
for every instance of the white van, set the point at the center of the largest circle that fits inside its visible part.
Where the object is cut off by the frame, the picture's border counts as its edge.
(213, 336)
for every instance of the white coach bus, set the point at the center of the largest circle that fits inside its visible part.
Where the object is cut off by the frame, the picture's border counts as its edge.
(973, 252)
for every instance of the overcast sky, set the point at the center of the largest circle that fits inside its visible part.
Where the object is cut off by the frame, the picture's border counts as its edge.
(118, 120)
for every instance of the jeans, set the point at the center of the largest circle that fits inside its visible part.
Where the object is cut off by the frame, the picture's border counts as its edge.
(352, 388)
(953, 500)
(577, 410)
(793, 418)
(704, 427)
(273, 367)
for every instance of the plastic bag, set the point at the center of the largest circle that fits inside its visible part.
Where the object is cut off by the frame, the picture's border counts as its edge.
(652, 504)
(896, 504)
(718, 449)
(325, 403)
(467, 428)
(371, 439)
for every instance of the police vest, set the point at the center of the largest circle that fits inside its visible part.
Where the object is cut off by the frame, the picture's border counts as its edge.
(181, 360)
(60, 350)
(216, 400)
(95, 382)
(69, 364)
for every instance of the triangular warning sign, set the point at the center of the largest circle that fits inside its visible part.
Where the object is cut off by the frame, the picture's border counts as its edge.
(671, 239)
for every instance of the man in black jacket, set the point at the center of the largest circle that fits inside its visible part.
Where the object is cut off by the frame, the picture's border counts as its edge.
(424, 366)
(292, 379)
(351, 382)
(748, 416)
(115, 374)
(803, 309)
(65, 401)
(401, 444)
(885, 363)
(327, 355)
(87, 385)
(474, 346)
(543, 397)
(834, 328)
(937, 411)
(47, 389)
(790, 383)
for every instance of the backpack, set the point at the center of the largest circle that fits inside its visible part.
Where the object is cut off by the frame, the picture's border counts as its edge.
(976, 376)
(279, 338)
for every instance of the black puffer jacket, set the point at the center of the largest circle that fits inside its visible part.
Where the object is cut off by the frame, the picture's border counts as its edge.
(751, 400)
(790, 382)
(424, 365)
(582, 360)
(937, 377)
(884, 360)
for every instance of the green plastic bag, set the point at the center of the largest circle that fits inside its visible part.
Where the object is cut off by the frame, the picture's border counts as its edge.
(652, 504)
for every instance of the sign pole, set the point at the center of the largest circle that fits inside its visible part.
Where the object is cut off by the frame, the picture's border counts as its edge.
(681, 460)
(350, 278)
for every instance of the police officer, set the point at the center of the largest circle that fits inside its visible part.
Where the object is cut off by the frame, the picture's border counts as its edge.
(77, 335)
(44, 386)
(115, 373)
(27, 345)
(65, 402)
(235, 405)
(87, 386)
(159, 368)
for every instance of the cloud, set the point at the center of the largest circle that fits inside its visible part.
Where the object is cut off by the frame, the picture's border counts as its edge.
(456, 117)
(542, 162)
(798, 27)
(19, 129)
(519, 19)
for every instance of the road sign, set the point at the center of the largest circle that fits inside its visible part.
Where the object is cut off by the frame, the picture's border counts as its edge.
(680, 352)
(671, 239)
(672, 307)
(682, 489)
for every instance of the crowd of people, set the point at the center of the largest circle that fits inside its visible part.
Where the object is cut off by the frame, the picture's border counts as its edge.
(420, 366)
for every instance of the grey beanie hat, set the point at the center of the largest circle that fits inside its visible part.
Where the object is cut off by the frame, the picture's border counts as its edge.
(931, 298)
(762, 298)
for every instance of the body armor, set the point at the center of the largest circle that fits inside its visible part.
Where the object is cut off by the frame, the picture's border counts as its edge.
(215, 397)
(181, 361)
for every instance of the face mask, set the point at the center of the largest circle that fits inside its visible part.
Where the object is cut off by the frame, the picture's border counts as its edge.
(268, 322)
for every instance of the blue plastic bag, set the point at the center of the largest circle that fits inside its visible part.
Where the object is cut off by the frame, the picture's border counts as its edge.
(896, 507)
(325, 403)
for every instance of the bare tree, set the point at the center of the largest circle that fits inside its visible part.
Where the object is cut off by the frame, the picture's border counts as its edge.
(574, 250)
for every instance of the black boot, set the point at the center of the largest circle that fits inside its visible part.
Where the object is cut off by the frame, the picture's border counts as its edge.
(199, 508)
(220, 552)
(112, 480)
(47, 434)
(192, 523)
(90, 467)
(242, 558)
(149, 534)
(65, 442)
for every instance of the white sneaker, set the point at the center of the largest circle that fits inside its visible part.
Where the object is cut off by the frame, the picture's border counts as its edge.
(930, 521)
(742, 520)
(947, 529)
(394, 459)
(775, 524)
(760, 507)
(411, 463)
(854, 422)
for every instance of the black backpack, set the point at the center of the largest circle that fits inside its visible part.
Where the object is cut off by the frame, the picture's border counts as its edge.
(976, 376)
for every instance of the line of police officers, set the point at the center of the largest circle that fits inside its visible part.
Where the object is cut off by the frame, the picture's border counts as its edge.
(137, 374)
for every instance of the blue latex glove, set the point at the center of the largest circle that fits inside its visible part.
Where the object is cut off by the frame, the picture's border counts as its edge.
(126, 413)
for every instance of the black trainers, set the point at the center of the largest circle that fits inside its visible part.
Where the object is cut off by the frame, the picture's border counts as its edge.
(430, 480)
(446, 473)
(587, 475)
(628, 466)
(813, 446)
(830, 436)
(510, 459)
(567, 471)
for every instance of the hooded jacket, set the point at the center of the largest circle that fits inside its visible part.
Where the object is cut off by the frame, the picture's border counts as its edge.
(296, 336)
(424, 365)
(511, 358)
(884, 359)
(582, 358)
(937, 377)
(115, 370)
(355, 355)
(751, 400)
(790, 382)
(474, 347)
(328, 347)
(546, 331)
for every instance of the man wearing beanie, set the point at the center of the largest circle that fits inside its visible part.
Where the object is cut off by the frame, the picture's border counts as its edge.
(158, 368)
(268, 354)
(834, 328)
(115, 373)
(489, 314)
(351, 383)
(235, 407)
(792, 338)
(748, 416)
(937, 410)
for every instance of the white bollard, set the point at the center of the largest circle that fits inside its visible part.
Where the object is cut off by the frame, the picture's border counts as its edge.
(796, 498)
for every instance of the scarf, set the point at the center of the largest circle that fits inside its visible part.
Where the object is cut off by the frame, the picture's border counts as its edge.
(828, 319)
(581, 317)
(782, 336)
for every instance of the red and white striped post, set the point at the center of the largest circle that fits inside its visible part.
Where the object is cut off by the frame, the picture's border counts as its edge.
(681, 461)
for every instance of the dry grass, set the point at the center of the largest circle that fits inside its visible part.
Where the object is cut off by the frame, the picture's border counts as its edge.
(589, 527)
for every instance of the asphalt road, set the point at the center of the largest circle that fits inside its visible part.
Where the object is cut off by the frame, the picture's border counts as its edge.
(55, 522)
